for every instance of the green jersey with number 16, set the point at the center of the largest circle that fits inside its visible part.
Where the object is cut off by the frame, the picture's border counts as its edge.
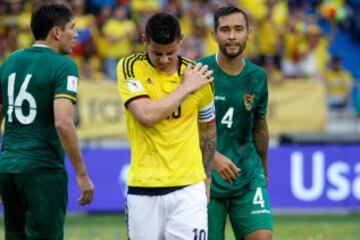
(239, 100)
(30, 80)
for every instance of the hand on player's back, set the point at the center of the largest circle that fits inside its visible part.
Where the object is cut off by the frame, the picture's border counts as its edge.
(195, 78)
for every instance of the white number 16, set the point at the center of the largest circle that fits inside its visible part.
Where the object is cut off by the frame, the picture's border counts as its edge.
(21, 97)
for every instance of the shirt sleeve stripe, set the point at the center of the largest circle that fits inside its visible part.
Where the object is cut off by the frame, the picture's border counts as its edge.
(63, 95)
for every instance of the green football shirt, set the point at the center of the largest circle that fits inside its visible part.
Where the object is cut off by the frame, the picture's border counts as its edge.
(30, 80)
(239, 100)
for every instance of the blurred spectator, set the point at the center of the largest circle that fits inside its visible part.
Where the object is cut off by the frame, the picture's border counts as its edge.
(271, 66)
(119, 32)
(110, 29)
(305, 50)
(293, 48)
(103, 15)
(355, 19)
(96, 5)
(270, 27)
(10, 40)
(338, 83)
(140, 7)
(85, 25)
(316, 55)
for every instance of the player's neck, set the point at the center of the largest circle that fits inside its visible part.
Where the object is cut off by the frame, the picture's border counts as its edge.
(48, 44)
(231, 66)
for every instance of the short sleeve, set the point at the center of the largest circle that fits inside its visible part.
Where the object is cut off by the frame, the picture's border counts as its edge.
(262, 103)
(206, 106)
(129, 85)
(66, 81)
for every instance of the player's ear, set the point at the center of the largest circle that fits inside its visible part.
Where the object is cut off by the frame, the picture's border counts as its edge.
(56, 32)
(181, 39)
(213, 35)
(249, 32)
(144, 39)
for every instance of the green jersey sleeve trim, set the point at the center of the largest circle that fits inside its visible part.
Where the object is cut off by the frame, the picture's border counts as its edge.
(66, 96)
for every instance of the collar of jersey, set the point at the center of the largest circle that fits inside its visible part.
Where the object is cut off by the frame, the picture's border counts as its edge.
(40, 45)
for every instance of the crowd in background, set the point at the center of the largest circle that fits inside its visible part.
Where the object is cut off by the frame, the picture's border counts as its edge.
(287, 40)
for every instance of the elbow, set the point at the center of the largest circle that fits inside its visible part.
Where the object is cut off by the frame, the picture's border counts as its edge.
(62, 126)
(147, 121)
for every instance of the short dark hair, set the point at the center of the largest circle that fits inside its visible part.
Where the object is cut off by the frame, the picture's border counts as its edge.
(225, 11)
(48, 16)
(162, 28)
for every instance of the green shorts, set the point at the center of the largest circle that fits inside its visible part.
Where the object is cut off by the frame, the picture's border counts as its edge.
(34, 205)
(247, 212)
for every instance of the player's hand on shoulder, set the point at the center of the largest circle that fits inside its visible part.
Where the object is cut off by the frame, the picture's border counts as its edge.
(225, 167)
(196, 77)
(87, 189)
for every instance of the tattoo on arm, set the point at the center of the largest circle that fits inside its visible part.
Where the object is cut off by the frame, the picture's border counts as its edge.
(207, 145)
(261, 140)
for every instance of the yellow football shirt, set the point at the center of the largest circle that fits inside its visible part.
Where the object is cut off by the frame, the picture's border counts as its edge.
(167, 154)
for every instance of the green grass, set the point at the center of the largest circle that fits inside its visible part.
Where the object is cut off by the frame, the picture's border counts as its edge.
(286, 227)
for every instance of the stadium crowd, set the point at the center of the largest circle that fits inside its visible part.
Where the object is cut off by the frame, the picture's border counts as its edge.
(287, 40)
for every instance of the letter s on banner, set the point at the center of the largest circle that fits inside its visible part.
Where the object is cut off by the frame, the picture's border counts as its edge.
(335, 175)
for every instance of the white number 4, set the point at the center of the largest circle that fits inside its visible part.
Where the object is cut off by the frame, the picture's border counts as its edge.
(21, 97)
(258, 198)
(228, 117)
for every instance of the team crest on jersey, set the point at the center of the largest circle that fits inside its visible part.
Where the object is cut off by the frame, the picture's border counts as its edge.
(249, 101)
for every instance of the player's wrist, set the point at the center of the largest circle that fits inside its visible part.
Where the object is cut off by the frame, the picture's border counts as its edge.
(185, 90)
(82, 173)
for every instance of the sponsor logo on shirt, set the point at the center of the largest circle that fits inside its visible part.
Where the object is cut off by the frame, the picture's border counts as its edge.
(262, 211)
(220, 98)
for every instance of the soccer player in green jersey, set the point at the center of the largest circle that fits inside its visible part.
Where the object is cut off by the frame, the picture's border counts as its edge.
(239, 178)
(38, 88)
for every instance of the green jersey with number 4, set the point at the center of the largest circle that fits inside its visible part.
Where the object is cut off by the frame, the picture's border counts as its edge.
(30, 80)
(239, 100)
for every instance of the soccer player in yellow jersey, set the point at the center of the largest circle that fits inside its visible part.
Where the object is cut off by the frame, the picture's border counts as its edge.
(170, 121)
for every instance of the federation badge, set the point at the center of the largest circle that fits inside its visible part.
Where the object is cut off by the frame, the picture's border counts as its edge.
(248, 101)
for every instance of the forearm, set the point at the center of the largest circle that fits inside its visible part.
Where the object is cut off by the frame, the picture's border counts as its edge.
(207, 145)
(261, 140)
(150, 112)
(70, 143)
(65, 127)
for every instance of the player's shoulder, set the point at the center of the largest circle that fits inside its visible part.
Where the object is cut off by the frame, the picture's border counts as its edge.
(14, 55)
(255, 71)
(253, 68)
(186, 61)
(57, 60)
(140, 56)
(129, 64)
(208, 60)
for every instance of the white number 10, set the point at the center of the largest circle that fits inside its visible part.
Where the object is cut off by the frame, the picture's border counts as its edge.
(21, 97)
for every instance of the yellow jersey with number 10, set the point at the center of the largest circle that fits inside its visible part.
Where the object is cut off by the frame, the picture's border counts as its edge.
(167, 154)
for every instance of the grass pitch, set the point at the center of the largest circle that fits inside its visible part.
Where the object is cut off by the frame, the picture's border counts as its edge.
(286, 227)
